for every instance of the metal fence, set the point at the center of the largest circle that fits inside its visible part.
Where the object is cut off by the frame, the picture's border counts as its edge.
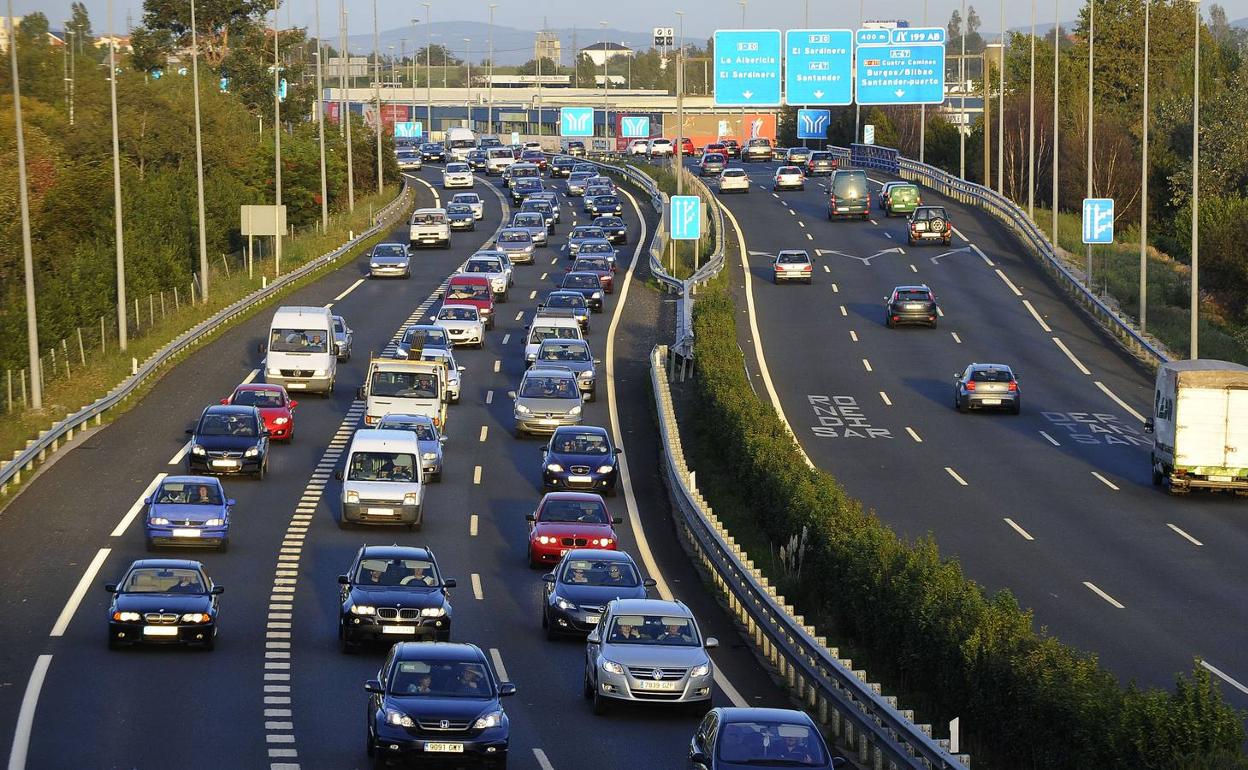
(49, 441)
(844, 702)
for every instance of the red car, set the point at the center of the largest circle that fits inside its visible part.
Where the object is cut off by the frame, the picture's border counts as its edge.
(686, 146)
(536, 157)
(468, 289)
(599, 266)
(567, 520)
(715, 147)
(275, 405)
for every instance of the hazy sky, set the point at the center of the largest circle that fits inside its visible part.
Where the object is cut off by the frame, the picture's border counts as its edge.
(701, 17)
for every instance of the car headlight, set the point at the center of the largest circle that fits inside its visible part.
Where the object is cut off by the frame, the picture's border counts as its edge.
(353, 497)
(554, 468)
(432, 612)
(574, 411)
(547, 539)
(215, 523)
(127, 617)
(492, 719)
(601, 541)
(522, 409)
(196, 449)
(272, 372)
(410, 498)
(597, 295)
(564, 604)
(400, 353)
(605, 468)
(363, 609)
(398, 719)
(159, 521)
(429, 456)
(374, 265)
(318, 372)
(701, 670)
(611, 667)
(284, 420)
(588, 374)
(196, 617)
(531, 356)
(252, 451)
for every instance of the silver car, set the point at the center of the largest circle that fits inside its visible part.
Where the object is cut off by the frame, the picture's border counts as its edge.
(462, 324)
(582, 233)
(987, 386)
(576, 182)
(427, 437)
(547, 398)
(576, 355)
(474, 201)
(516, 243)
(648, 651)
(508, 269)
(534, 222)
(343, 337)
(788, 177)
(421, 336)
(542, 207)
(454, 382)
(390, 259)
(490, 267)
(734, 180)
(550, 196)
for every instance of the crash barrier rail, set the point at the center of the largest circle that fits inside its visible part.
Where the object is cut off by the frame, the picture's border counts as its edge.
(853, 710)
(50, 440)
(1004, 209)
(871, 156)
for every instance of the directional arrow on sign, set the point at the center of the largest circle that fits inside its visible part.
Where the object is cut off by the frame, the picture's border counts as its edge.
(900, 92)
(747, 94)
(818, 94)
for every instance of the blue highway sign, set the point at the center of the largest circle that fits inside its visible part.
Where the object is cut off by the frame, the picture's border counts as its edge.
(634, 127)
(409, 130)
(819, 66)
(1098, 220)
(576, 121)
(907, 68)
(686, 217)
(813, 124)
(747, 68)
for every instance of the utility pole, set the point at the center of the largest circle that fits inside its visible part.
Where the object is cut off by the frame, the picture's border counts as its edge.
(1001, 111)
(346, 106)
(277, 149)
(415, 57)
(428, 74)
(377, 93)
(1195, 329)
(986, 87)
(964, 125)
(199, 163)
(468, 79)
(1031, 122)
(119, 236)
(320, 120)
(923, 107)
(606, 85)
(1057, 68)
(1091, 116)
(680, 102)
(1144, 183)
(490, 75)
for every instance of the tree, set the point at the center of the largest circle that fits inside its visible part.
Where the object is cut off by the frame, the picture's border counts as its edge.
(954, 27)
(80, 25)
(169, 24)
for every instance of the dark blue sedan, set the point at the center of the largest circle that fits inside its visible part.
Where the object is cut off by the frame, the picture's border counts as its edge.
(581, 586)
(580, 458)
(188, 511)
(229, 439)
(163, 601)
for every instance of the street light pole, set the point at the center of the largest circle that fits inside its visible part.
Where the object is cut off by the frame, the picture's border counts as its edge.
(1091, 116)
(320, 120)
(1144, 182)
(857, 106)
(923, 107)
(1196, 191)
(415, 56)
(1001, 110)
(199, 163)
(377, 93)
(346, 106)
(428, 74)
(680, 101)
(1031, 123)
(606, 85)
(277, 149)
(1057, 68)
(28, 261)
(964, 124)
(468, 79)
(122, 331)
(490, 75)
(73, 67)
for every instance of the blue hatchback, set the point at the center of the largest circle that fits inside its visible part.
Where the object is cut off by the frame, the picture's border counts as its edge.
(188, 511)
(580, 458)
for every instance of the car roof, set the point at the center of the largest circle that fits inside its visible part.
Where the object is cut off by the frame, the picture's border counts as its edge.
(468, 278)
(438, 651)
(650, 607)
(262, 385)
(803, 252)
(913, 287)
(541, 370)
(457, 306)
(563, 341)
(230, 409)
(600, 554)
(192, 480)
(407, 417)
(982, 367)
(167, 564)
(582, 429)
(582, 497)
(396, 552)
(752, 714)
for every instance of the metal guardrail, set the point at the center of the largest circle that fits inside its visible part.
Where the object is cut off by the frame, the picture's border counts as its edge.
(839, 697)
(50, 440)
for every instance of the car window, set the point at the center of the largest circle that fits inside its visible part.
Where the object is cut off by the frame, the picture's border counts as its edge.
(597, 248)
(265, 399)
(468, 291)
(441, 679)
(991, 375)
(563, 351)
(769, 744)
(423, 430)
(792, 259)
(588, 232)
(376, 571)
(297, 341)
(652, 629)
(540, 333)
(514, 236)
(568, 442)
(592, 572)
(389, 250)
(912, 296)
(227, 425)
(788, 170)
(419, 337)
(457, 168)
(528, 219)
(459, 208)
(188, 493)
(381, 466)
(466, 198)
(549, 387)
(581, 281)
(161, 580)
(405, 384)
(457, 314)
(849, 184)
(565, 300)
(734, 172)
(579, 511)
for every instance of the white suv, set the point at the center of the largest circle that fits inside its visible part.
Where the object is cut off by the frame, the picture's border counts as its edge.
(662, 148)
(639, 147)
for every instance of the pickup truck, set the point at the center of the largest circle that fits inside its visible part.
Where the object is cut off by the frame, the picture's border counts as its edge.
(1200, 426)
(430, 227)
(405, 386)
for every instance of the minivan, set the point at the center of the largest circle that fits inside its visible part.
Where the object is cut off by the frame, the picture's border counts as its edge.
(301, 354)
(848, 194)
(381, 480)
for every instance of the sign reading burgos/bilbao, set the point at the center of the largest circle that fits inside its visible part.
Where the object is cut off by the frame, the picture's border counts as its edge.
(747, 68)
(900, 66)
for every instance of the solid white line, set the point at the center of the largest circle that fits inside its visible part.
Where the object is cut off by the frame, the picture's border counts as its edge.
(884, 396)
(1119, 401)
(476, 475)
(476, 586)
(914, 435)
(138, 506)
(26, 715)
(729, 690)
(499, 668)
(542, 761)
(485, 431)
(1105, 481)
(251, 376)
(981, 254)
(956, 338)
(867, 365)
(1009, 283)
(1018, 529)
(1035, 315)
(1071, 356)
(506, 338)
(489, 396)
(177, 458)
(350, 289)
(1184, 535)
(1104, 595)
(472, 525)
(1052, 440)
(1223, 676)
(71, 606)
(853, 335)
(955, 476)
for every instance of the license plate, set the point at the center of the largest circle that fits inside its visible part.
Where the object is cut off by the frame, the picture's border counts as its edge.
(398, 629)
(448, 748)
(296, 385)
(225, 463)
(549, 422)
(842, 208)
(380, 512)
(186, 533)
(580, 479)
(991, 402)
(1219, 478)
(592, 619)
(914, 306)
(160, 631)
(660, 686)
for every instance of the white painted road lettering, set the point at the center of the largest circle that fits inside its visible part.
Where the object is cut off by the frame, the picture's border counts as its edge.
(841, 417)
(1096, 428)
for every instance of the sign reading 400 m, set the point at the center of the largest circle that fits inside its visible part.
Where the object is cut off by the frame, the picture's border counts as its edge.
(747, 68)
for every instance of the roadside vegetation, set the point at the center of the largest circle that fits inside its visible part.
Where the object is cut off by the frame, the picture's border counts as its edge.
(683, 265)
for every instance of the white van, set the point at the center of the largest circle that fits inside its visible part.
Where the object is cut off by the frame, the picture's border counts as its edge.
(459, 142)
(381, 480)
(301, 350)
(546, 328)
(406, 387)
(497, 160)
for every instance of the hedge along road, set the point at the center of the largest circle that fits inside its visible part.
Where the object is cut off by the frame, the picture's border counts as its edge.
(58, 535)
(1055, 504)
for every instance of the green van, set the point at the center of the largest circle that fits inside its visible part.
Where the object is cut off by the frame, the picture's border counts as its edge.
(900, 198)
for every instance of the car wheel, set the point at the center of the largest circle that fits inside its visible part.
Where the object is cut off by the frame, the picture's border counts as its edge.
(911, 241)
(933, 324)
(343, 523)
(600, 705)
(1017, 408)
(435, 478)
(259, 474)
(113, 644)
(150, 546)
(533, 563)
(866, 215)
(1158, 476)
(592, 395)
(888, 320)
(957, 402)
(587, 688)
(504, 296)
(225, 545)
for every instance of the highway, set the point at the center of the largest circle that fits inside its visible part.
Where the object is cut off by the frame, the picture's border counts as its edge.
(277, 691)
(1056, 504)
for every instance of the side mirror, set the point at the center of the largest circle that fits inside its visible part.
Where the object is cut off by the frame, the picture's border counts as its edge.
(505, 689)
(343, 580)
(549, 577)
(359, 393)
(530, 517)
(593, 637)
(338, 475)
(217, 590)
(264, 432)
(711, 643)
(460, 368)
(699, 758)
(449, 582)
(617, 520)
(597, 360)
(229, 503)
(839, 762)
(148, 501)
(374, 686)
(294, 404)
(649, 583)
(543, 450)
(441, 439)
(957, 375)
(110, 587)
(1149, 426)
(225, 401)
(619, 451)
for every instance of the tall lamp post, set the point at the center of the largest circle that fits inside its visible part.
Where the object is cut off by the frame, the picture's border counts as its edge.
(428, 74)
(1001, 110)
(122, 331)
(606, 84)
(415, 56)
(468, 79)
(277, 148)
(963, 125)
(1196, 189)
(1057, 69)
(1031, 123)
(490, 75)
(1091, 117)
(345, 112)
(320, 121)
(680, 100)
(377, 93)
(199, 163)
(1144, 182)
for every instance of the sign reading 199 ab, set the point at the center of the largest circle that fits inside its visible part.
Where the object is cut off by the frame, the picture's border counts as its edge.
(818, 66)
(900, 66)
(747, 68)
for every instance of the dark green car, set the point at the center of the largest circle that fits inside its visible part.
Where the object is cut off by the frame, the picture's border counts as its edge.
(899, 198)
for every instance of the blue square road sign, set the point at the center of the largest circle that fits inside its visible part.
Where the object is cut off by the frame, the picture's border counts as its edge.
(813, 124)
(686, 217)
(1098, 220)
(906, 68)
(576, 121)
(635, 126)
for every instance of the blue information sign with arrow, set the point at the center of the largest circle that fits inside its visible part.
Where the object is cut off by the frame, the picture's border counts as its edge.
(900, 66)
(818, 66)
(747, 68)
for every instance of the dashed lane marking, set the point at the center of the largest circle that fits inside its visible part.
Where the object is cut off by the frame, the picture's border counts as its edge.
(1181, 533)
(26, 714)
(533, 294)
(499, 668)
(1092, 587)
(955, 476)
(1009, 283)
(1051, 440)
(801, 224)
(913, 269)
(542, 761)
(80, 590)
(844, 312)
(827, 269)
(1026, 535)
(489, 396)
(476, 587)
(1071, 356)
(476, 475)
(485, 431)
(498, 365)
(809, 237)
(1027, 304)
(520, 316)
(349, 289)
(138, 506)
(1105, 481)
(835, 289)
(886, 399)
(544, 275)
(506, 338)
(914, 435)
(956, 338)
(867, 365)
(472, 525)
(853, 335)
(1119, 401)
(181, 453)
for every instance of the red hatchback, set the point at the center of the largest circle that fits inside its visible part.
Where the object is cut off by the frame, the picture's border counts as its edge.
(567, 520)
(275, 405)
(536, 157)
(468, 289)
(599, 266)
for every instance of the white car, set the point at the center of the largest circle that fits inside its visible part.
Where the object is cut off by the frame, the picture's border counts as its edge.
(453, 381)
(462, 324)
(474, 202)
(734, 180)
(456, 175)
(661, 148)
(491, 266)
(788, 177)
(639, 147)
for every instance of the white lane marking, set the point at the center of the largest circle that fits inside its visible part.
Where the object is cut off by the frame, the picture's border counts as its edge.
(884, 396)
(809, 237)
(867, 365)
(349, 289)
(1052, 440)
(956, 338)
(476, 475)
(791, 211)
(835, 289)
(1018, 529)
(844, 312)
(499, 668)
(181, 453)
(1119, 401)
(485, 431)
(251, 376)
(476, 587)
(1009, 283)
(914, 435)
(888, 235)
(774, 195)
(472, 525)
(555, 261)
(1035, 315)
(542, 761)
(1223, 676)
(940, 312)
(729, 690)
(955, 476)
(497, 365)
(544, 275)
(506, 338)
(1105, 481)
(981, 254)
(1091, 587)
(801, 224)
(138, 506)
(877, 224)
(1071, 356)
(489, 396)
(958, 233)
(520, 316)
(26, 714)
(80, 590)
(826, 269)
(914, 269)
(1179, 531)
(533, 294)
(853, 335)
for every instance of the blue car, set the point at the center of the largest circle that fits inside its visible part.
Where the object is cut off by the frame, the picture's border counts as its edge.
(580, 458)
(188, 511)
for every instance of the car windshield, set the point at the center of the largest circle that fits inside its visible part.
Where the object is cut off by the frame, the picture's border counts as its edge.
(466, 198)
(483, 266)
(912, 296)
(579, 511)
(580, 176)
(597, 263)
(340, 327)
(405, 384)
(441, 679)
(581, 281)
(539, 206)
(563, 351)
(991, 375)
(549, 387)
(588, 232)
(420, 337)
(540, 333)
(162, 580)
(457, 168)
(376, 571)
(734, 172)
(565, 300)
(457, 314)
(932, 213)
(468, 291)
(760, 143)
(652, 629)
(390, 250)
(459, 209)
(188, 493)
(500, 152)
(381, 466)
(609, 222)
(525, 172)
(528, 219)
(428, 218)
(580, 443)
(514, 236)
(787, 170)
(792, 259)
(423, 430)
(770, 744)
(297, 341)
(227, 425)
(265, 399)
(821, 156)
(597, 248)
(592, 572)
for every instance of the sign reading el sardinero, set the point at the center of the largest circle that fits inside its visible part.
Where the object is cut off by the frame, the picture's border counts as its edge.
(747, 68)
(818, 67)
(900, 66)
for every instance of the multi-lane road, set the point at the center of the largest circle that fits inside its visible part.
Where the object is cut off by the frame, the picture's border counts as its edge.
(1056, 504)
(277, 692)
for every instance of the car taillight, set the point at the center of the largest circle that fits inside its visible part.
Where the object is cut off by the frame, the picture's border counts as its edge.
(832, 200)
(970, 385)
(1013, 386)
(868, 199)
(805, 268)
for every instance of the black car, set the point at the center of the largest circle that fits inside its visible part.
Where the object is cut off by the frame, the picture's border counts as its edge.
(432, 151)
(437, 700)
(729, 738)
(580, 586)
(613, 228)
(910, 305)
(163, 601)
(477, 159)
(588, 285)
(460, 216)
(576, 149)
(598, 205)
(820, 162)
(569, 304)
(524, 186)
(580, 458)
(393, 592)
(561, 166)
(229, 439)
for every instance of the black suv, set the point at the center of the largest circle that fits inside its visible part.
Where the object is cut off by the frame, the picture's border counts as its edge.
(393, 592)
(910, 305)
(614, 228)
(561, 166)
(437, 700)
(229, 439)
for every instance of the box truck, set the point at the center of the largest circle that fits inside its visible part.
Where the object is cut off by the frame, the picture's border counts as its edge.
(1200, 426)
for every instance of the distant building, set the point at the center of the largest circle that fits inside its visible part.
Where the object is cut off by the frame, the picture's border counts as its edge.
(548, 47)
(53, 39)
(598, 53)
(120, 42)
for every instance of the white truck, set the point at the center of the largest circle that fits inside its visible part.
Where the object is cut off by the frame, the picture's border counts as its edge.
(430, 227)
(459, 142)
(406, 386)
(299, 354)
(1200, 426)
